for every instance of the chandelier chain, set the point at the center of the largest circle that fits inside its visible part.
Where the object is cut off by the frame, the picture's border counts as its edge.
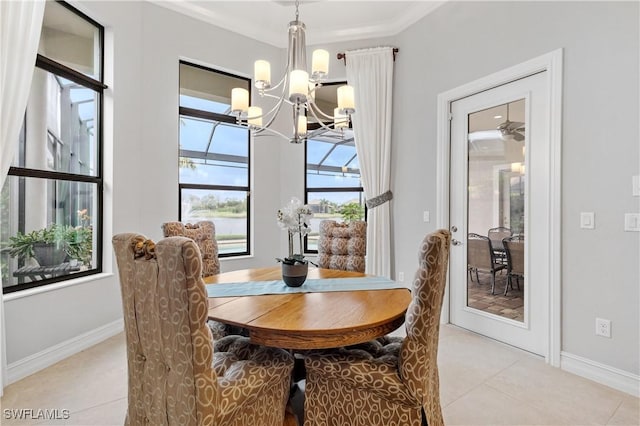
(297, 4)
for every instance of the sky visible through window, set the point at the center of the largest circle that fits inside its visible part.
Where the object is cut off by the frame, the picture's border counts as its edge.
(340, 157)
(211, 137)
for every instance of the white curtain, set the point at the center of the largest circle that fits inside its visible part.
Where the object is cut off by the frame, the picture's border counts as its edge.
(370, 71)
(20, 25)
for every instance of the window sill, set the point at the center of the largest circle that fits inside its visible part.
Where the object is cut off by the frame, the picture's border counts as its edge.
(55, 286)
(226, 259)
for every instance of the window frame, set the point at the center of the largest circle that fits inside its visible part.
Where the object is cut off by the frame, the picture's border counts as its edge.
(307, 190)
(98, 86)
(223, 118)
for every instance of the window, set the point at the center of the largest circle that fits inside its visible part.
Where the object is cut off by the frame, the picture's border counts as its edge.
(333, 187)
(214, 157)
(51, 202)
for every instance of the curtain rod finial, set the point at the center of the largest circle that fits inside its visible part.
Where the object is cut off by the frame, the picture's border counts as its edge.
(343, 56)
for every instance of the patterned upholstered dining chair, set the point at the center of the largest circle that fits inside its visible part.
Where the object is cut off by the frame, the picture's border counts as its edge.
(204, 234)
(342, 245)
(175, 376)
(387, 382)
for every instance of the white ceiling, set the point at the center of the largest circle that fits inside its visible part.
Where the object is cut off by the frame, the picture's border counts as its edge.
(327, 21)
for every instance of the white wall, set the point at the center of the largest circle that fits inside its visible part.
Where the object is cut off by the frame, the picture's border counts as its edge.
(458, 43)
(464, 41)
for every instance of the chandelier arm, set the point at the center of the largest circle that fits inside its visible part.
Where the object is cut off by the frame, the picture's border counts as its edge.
(283, 81)
(317, 132)
(280, 83)
(259, 130)
(280, 98)
(276, 110)
(313, 106)
(272, 112)
(324, 126)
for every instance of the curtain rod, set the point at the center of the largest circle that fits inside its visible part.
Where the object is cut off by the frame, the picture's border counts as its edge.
(343, 56)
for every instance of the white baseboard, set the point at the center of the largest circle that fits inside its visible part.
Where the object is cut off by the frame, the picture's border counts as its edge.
(43, 359)
(601, 373)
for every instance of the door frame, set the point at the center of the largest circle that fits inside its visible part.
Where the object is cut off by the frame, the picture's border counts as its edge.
(552, 64)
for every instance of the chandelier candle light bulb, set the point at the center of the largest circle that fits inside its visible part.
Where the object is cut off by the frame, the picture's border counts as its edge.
(239, 99)
(340, 119)
(301, 129)
(254, 116)
(262, 74)
(298, 86)
(320, 64)
(346, 101)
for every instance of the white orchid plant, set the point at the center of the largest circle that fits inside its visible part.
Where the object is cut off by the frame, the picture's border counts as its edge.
(294, 218)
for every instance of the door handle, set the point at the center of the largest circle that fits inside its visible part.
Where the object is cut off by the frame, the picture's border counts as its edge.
(456, 242)
(454, 228)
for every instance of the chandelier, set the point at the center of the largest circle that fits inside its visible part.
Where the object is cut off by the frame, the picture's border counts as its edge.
(296, 88)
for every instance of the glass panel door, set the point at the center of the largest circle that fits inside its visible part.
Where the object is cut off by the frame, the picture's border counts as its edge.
(498, 211)
(496, 198)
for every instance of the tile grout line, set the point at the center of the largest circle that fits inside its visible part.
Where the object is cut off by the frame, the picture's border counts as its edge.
(614, 412)
(89, 408)
(484, 382)
(99, 405)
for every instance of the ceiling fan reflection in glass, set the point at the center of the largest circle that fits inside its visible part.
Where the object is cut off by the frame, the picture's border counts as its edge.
(507, 130)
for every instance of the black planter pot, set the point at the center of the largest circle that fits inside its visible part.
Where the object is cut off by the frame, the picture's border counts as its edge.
(49, 254)
(294, 275)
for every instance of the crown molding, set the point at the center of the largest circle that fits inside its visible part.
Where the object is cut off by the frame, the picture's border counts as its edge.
(248, 28)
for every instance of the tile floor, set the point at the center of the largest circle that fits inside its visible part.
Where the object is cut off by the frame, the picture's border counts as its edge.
(482, 382)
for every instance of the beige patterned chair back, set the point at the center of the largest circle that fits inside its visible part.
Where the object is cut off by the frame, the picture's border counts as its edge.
(387, 381)
(169, 346)
(419, 352)
(204, 234)
(342, 246)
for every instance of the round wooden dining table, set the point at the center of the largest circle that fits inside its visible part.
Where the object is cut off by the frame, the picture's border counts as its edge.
(309, 320)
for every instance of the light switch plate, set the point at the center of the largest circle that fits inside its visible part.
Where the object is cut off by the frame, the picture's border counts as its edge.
(636, 186)
(426, 216)
(587, 220)
(632, 222)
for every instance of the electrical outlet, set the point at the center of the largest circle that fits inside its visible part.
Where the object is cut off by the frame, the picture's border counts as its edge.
(603, 327)
(401, 276)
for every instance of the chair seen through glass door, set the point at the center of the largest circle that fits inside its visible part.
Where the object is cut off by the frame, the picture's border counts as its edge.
(496, 203)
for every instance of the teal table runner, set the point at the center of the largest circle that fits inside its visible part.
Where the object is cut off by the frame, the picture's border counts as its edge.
(255, 288)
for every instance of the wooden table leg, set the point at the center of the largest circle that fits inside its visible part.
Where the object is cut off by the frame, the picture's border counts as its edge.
(290, 419)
